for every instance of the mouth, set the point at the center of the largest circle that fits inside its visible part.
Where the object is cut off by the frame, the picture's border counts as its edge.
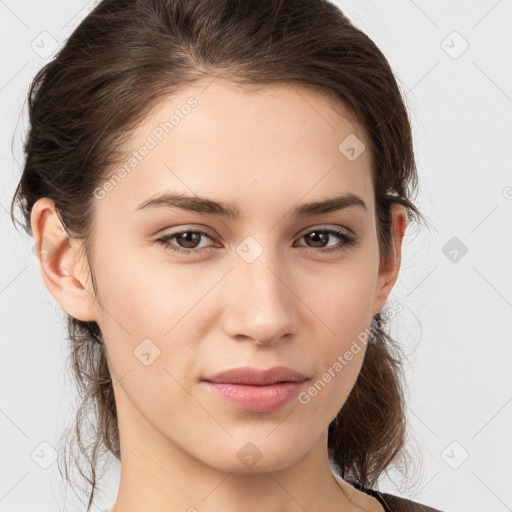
(254, 390)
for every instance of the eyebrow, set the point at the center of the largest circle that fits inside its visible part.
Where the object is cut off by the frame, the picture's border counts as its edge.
(232, 211)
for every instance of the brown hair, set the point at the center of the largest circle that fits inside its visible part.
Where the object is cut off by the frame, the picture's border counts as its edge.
(123, 58)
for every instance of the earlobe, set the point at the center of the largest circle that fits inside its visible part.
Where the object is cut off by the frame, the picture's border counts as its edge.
(389, 269)
(58, 261)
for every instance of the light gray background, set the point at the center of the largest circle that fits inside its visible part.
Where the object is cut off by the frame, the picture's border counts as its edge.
(455, 325)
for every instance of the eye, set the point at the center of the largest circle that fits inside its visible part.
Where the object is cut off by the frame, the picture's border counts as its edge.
(319, 236)
(188, 241)
(189, 238)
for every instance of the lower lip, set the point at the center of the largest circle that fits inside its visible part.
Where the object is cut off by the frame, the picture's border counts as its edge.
(256, 398)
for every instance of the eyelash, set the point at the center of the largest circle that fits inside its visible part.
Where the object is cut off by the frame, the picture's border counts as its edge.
(348, 240)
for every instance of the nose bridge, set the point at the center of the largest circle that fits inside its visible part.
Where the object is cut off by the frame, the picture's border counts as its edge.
(261, 305)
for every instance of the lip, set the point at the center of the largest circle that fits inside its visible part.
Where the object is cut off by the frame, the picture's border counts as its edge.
(257, 377)
(255, 390)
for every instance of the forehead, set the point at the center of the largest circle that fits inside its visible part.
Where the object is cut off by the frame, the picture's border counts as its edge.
(282, 142)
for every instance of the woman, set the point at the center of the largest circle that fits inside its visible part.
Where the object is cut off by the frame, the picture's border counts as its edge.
(218, 192)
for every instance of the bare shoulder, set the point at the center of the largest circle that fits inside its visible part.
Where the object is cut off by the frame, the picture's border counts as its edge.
(360, 499)
(374, 501)
(399, 504)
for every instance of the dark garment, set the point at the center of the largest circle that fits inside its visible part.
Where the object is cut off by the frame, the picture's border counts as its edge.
(392, 503)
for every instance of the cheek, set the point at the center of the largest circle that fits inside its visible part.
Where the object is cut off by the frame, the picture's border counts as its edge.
(343, 300)
(140, 295)
(344, 305)
(148, 316)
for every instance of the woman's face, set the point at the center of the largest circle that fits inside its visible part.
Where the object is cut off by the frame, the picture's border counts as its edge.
(265, 286)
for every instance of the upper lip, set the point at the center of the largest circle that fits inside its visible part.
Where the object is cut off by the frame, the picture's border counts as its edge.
(255, 376)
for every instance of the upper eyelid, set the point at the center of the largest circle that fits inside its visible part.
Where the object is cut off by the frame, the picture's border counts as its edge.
(211, 234)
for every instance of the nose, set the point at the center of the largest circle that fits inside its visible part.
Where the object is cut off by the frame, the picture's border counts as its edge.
(259, 301)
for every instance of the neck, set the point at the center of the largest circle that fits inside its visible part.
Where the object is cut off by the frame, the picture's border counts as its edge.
(157, 474)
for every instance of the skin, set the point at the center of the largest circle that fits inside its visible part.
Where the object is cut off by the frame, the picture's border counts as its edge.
(265, 150)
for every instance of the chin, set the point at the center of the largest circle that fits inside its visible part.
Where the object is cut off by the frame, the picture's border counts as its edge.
(257, 454)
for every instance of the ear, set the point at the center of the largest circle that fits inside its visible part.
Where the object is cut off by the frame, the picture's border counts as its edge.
(63, 272)
(389, 269)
